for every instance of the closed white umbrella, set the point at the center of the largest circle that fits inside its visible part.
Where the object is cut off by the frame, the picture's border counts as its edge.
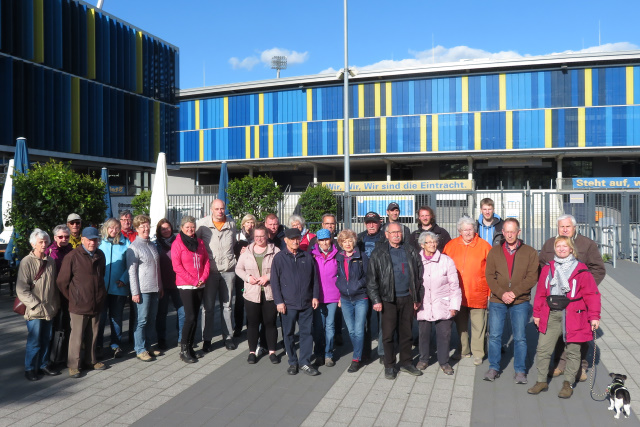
(7, 198)
(159, 196)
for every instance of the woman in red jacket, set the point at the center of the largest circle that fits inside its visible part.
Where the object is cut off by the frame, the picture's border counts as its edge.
(191, 264)
(567, 279)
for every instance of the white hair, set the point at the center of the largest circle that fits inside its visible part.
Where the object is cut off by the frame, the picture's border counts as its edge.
(568, 216)
(38, 234)
(465, 220)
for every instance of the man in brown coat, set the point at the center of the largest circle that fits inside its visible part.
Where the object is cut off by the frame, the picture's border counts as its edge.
(81, 281)
(512, 270)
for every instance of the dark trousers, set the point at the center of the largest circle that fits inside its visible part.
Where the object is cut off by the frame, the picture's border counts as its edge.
(238, 309)
(263, 313)
(398, 316)
(191, 298)
(366, 346)
(305, 324)
(443, 338)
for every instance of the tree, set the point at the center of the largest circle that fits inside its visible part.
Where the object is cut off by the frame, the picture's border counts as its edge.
(141, 202)
(315, 202)
(253, 195)
(47, 193)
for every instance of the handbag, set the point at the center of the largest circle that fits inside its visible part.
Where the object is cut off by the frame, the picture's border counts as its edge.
(18, 306)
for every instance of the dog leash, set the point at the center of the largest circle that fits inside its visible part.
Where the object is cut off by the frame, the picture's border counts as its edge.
(593, 375)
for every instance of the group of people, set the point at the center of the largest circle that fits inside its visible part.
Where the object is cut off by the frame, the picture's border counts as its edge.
(315, 281)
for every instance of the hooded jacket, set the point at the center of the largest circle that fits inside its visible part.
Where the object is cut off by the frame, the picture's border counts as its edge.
(355, 288)
(441, 288)
(578, 313)
(380, 281)
(524, 274)
(484, 231)
(327, 270)
(81, 281)
(471, 261)
(116, 266)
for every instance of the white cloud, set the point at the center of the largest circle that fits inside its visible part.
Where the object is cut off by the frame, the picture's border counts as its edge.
(265, 56)
(608, 47)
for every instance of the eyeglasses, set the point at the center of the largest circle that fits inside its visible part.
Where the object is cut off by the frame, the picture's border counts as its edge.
(394, 232)
(65, 237)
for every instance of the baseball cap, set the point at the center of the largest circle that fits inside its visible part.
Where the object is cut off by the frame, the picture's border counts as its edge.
(371, 217)
(73, 217)
(392, 206)
(292, 233)
(90, 233)
(323, 233)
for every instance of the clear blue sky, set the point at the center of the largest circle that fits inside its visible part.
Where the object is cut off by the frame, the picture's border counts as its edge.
(232, 40)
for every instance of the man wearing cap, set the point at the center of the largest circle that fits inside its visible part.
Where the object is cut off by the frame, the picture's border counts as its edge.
(81, 281)
(427, 222)
(393, 215)
(295, 291)
(74, 222)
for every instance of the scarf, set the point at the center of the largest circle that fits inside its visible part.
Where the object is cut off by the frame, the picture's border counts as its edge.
(190, 242)
(166, 243)
(564, 268)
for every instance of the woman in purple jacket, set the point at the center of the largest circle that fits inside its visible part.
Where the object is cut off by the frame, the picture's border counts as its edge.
(191, 265)
(324, 254)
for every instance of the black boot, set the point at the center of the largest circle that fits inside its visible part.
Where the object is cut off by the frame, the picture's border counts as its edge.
(184, 354)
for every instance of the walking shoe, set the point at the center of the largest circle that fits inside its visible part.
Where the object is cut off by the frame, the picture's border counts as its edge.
(293, 369)
(491, 375)
(447, 369)
(31, 375)
(309, 370)
(206, 346)
(583, 375)
(162, 344)
(251, 360)
(229, 344)
(74, 373)
(411, 370)
(328, 362)
(520, 377)
(390, 373)
(355, 365)
(477, 361)
(50, 371)
(566, 391)
(274, 358)
(99, 366)
(118, 353)
(422, 365)
(144, 356)
(538, 387)
(557, 372)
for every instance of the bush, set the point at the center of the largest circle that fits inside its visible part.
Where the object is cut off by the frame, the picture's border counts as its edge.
(253, 195)
(315, 202)
(47, 193)
(141, 203)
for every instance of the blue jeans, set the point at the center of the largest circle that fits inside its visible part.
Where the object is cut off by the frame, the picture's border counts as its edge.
(355, 316)
(115, 309)
(519, 315)
(38, 338)
(146, 312)
(305, 323)
(324, 329)
(163, 310)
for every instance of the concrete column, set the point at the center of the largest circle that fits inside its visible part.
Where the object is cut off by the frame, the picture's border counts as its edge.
(559, 173)
(388, 171)
(470, 162)
(315, 174)
(251, 171)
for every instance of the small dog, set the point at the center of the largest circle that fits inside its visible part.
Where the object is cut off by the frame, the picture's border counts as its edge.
(619, 396)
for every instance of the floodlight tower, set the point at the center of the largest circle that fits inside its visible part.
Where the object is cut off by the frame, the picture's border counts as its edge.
(278, 63)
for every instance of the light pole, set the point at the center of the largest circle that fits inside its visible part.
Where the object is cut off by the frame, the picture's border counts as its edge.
(347, 173)
(278, 63)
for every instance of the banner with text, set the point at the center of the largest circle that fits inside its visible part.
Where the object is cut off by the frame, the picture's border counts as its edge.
(633, 182)
(395, 186)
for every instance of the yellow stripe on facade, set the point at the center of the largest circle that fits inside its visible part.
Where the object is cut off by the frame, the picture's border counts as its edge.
(197, 113)
(261, 108)
(630, 83)
(503, 91)
(270, 141)
(139, 62)
(91, 44)
(156, 129)
(201, 144)
(350, 136)
(423, 133)
(548, 128)
(75, 115)
(509, 131)
(304, 139)
(256, 141)
(383, 135)
(226, 111)
(360, 100)
(340, 137)
(247, 142)
(434, 132)
(376, 96)
(582, 133)
(38, 31)
(465, 93)
(588, 88)
(387, 99)
(477, 131)
(309, 104)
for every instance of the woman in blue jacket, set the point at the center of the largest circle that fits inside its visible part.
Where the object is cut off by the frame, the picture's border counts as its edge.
(116, 279)
(352, 284)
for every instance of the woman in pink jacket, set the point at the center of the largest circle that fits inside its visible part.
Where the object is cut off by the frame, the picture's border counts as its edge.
(567, 279)
(442, 298)
(191, 264)
(254, 268)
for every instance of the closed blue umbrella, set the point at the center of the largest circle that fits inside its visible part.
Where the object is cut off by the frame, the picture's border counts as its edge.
(21, 164)
(222, 188)
(107, 195)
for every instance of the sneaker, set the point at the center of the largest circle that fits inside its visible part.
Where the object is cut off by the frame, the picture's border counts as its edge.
(309, 370)
(538, 387)
(118, 353)
(566, 391)
(144, 356)
(328, 362)
(390, 373)
(520, 378)
(251, 360)
(293, 370)
(274, 359)
(491, 375)
(411, 370)
(422, 365)
(477, 361)
(74, 373)
(355, 365)
(206, 346)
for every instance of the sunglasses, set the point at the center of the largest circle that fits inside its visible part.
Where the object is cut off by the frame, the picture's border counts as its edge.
(62, 237)
(75, 222)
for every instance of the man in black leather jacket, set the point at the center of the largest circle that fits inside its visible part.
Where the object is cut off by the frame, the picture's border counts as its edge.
(394, 284)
